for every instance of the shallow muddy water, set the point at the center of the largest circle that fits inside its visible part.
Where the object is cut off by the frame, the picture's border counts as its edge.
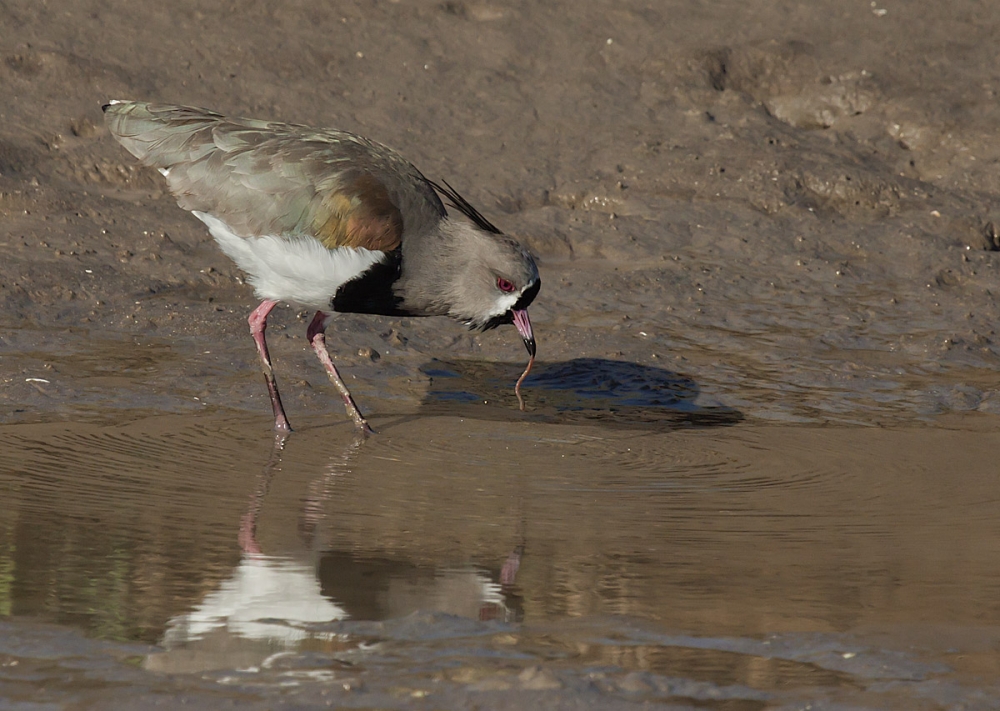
(489, 561)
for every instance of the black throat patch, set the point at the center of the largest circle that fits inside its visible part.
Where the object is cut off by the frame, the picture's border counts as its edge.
(522, 303)
(528, 296)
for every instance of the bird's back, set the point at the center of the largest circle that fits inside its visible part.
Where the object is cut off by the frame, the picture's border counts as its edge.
(269, 178)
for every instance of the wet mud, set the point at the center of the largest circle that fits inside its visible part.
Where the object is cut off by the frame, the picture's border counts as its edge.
(756, 464)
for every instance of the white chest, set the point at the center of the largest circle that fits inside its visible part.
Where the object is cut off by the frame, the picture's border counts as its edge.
(297, 270)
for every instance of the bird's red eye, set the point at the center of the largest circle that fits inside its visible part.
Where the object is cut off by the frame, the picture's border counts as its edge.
(504, 285)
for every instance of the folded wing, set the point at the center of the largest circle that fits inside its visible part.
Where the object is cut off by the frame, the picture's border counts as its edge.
(267, 178)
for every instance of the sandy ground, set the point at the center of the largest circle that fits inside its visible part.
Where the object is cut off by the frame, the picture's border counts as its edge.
(786, 209)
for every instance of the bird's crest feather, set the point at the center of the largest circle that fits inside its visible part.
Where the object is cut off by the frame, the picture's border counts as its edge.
(463, 206)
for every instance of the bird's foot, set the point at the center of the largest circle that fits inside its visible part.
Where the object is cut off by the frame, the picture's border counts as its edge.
(360, 423)
(281, 426)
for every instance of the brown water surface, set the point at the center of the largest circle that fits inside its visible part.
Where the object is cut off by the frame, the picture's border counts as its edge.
(735, 567)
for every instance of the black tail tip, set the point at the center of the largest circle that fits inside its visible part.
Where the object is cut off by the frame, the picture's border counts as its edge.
(105, 108)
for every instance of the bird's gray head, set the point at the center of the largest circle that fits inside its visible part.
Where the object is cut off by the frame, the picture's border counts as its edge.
(494, 281)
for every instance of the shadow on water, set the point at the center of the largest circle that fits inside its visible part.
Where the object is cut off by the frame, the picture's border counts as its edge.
(597, 391)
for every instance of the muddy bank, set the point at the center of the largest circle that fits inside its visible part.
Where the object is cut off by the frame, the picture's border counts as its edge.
(796, 205)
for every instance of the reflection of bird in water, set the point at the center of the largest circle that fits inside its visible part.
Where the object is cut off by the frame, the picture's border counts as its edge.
(399, 588)
(332, 222)
(273, 604)
(266, 599)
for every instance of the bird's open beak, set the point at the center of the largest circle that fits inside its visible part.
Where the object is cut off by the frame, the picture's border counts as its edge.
(523, 324)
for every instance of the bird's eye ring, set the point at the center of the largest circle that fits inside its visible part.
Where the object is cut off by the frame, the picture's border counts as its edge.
(504, 285)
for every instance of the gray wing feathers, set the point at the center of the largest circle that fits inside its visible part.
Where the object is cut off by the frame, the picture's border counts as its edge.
(262, 177)
(159, 140)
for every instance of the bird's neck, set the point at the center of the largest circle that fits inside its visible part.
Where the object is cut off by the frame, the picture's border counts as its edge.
(430, 263)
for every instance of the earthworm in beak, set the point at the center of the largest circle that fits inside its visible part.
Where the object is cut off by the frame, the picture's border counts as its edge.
(523, 324)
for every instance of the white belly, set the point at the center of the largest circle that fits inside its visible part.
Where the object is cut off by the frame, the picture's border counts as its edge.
(297, 270)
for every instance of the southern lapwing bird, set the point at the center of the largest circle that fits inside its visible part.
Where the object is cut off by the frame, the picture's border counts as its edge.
(331, 221)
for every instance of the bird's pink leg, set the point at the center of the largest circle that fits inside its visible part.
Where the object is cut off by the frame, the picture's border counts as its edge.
(258, 324)
(317, 338)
